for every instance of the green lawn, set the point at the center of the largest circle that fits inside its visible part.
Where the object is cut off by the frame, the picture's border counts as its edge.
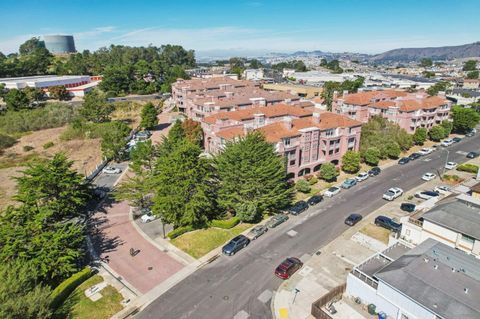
(78, 306)
(198, 243)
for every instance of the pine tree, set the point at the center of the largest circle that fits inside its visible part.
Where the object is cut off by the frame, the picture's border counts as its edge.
(149, 117)
(252, 173)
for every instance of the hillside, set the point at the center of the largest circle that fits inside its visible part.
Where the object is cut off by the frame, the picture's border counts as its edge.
(436, 53)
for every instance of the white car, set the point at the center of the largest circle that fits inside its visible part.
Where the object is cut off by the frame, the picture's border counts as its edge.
(392, 193)
(451, 165)
(111, 170)
(425, 151)
(361, 177)
(442, 189)
(428, 176)
(332, 191)
(148, 217)
(447, 142)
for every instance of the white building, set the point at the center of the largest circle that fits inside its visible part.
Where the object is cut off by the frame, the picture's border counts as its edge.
(253, 74)
(430, 281)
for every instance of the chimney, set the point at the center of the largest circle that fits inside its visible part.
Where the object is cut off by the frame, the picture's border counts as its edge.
(345, 92)
(316, 117)
(398, 101)
(287, 121)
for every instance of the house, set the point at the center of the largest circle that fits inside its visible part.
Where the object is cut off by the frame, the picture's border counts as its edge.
(408, 110)
(305, 91)
(471, 84)
(253, 74)
(430, 281)
(455, 222)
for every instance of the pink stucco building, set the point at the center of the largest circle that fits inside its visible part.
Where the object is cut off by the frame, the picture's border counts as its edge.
(408, 110)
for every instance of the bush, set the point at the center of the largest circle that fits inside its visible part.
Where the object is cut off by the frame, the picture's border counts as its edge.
(393, 150)
(28, 148)
(372, 156)
(328, 172)
(351, 162)
(454, 178)
(225, 223)
(6, 141)
(420, 136)
(64, 290)
(469, 168)
(179, 231)
(48, 145)
(436, 133)
(303, 186)
(313, 180)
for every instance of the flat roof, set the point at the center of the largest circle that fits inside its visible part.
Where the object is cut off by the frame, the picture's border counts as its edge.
(43, 78)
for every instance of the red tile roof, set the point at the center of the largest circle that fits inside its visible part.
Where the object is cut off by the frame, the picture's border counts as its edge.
(364, 98)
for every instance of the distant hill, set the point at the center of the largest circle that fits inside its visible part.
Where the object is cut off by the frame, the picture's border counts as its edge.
(438, 53)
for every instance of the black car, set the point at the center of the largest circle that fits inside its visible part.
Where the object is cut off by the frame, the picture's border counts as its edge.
(374, 171)
(472, 155)
(314, 200)
(387, 223)
(456, 139)
(404, 160)
(470, 134)
(235, 245)
(298, 208)
(414, 156)
(353, 219)
(408, 207)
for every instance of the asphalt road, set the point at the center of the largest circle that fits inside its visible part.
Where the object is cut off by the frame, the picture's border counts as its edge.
(230, 285)
(106, 181)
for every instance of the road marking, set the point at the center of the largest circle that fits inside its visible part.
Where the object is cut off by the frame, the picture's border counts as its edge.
(241, 315)
(305, 271)
(283, 313)
(292, 233)
(265, 296)
(462, 153)
(427, 160)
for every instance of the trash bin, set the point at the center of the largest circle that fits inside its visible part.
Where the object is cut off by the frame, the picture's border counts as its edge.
(371, 309)
(382, 315)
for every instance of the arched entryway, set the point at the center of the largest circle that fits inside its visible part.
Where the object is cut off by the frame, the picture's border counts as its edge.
(304, 172)
(317, 168)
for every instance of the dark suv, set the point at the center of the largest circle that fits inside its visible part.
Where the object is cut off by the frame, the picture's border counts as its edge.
(298, 208)
(408, 207)
(314, 200)
(353, 219)
(414, 156)
(374, 171)
(387, 223)
(235, 245)
(404, 160)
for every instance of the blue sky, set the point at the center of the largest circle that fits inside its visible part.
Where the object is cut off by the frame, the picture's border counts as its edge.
(247, 27)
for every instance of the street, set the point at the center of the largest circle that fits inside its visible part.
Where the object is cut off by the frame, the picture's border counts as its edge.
(230, 286)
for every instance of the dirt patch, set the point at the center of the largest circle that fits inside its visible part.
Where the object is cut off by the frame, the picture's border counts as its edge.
(378, 233)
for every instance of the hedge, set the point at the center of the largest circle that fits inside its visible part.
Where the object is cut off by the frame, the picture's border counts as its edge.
(225, 224)
(179, 231)
(470, 168)
(64, 290)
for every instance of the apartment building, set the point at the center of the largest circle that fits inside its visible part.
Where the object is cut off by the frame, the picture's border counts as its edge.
(430, 281)
(408, 110)
(306, 138)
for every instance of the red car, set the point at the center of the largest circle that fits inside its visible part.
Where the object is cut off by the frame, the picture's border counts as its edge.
(288, 267)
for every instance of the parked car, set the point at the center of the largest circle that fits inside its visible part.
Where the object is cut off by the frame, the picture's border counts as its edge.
(428, 176)
(276, 220)
(235, 245)
(145, 133)
(257, 231)
(361, 177)
(288, 267)
(111, 170)
(408, 207)
(332, 191)
(470, 134)
(425, 151)
(387, 223)
(447, 142)
(314, 200)
(456, 139)
(147, 216)
(442, 189)
(403, 160)
(353, 219)
(392, 193)
(472, 155)
(349, 182)
(298, 208)
(426, 194)
(414, 156)
(451, 165)
(374, 171)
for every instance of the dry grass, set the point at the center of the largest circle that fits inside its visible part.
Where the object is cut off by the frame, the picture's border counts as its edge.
(378, 233)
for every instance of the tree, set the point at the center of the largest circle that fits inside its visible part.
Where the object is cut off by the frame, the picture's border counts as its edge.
(420, 136)
(34, 94)
(95, 108)
(351, 162)
(54, 184)
(437, 87)
(255, 64)
(251, 172)
(21, 297)
(59, 92)
(137, 190)
(473, 74)
(113, 141)
(30, 46)
(16, 100)
(117, 80)
(426, 62)
(447, 127)
(436, 133)
(464, 119)
(193, 131)
(149, 116)
(372, 156)
(143, 157)
(328, 172)
(303, 186)
(184, 185)
(470, 65)
(177, 133)
(392, 150)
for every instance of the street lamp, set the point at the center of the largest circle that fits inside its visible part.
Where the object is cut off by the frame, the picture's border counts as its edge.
(294, 297)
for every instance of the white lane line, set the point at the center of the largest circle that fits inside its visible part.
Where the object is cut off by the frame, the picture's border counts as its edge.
(265, 296)
(241, 315)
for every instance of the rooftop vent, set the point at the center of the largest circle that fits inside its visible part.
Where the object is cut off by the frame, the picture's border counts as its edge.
(425, 260)
(465, 290)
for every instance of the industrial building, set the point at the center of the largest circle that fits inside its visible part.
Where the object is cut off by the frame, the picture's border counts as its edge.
(60, 44)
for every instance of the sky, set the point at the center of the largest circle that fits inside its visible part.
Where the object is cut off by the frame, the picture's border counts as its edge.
(250, 27)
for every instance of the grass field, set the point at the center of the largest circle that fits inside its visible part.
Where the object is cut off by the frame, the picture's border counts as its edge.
(378, 233)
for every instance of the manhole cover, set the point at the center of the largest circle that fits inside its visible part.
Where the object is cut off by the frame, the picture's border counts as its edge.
(225, 298)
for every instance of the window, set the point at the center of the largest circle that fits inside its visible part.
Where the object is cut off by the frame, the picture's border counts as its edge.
(351, 140)
(292, 162)
(286, 141)
(330, 132)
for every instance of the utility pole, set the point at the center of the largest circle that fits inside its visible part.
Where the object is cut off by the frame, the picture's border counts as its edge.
(294, 297)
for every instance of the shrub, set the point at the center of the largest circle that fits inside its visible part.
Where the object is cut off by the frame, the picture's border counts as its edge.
(225, 223)
(179, 231)
(28, 148)
(303, 186)
(328, 172)
(436, 133)
(351, 162)
(469, 168)
(454, 178)
(48, 145)
(372, 156)
(420, 136)
(392, 150)
(64, 290)
(313, 180)
(6, 141)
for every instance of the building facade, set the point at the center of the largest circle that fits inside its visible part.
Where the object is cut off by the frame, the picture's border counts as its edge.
(60, 44)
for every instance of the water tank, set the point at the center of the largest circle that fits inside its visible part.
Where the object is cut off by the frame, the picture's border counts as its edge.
(60, 44)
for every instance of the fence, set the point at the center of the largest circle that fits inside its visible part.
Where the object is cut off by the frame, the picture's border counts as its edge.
(335, 293)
